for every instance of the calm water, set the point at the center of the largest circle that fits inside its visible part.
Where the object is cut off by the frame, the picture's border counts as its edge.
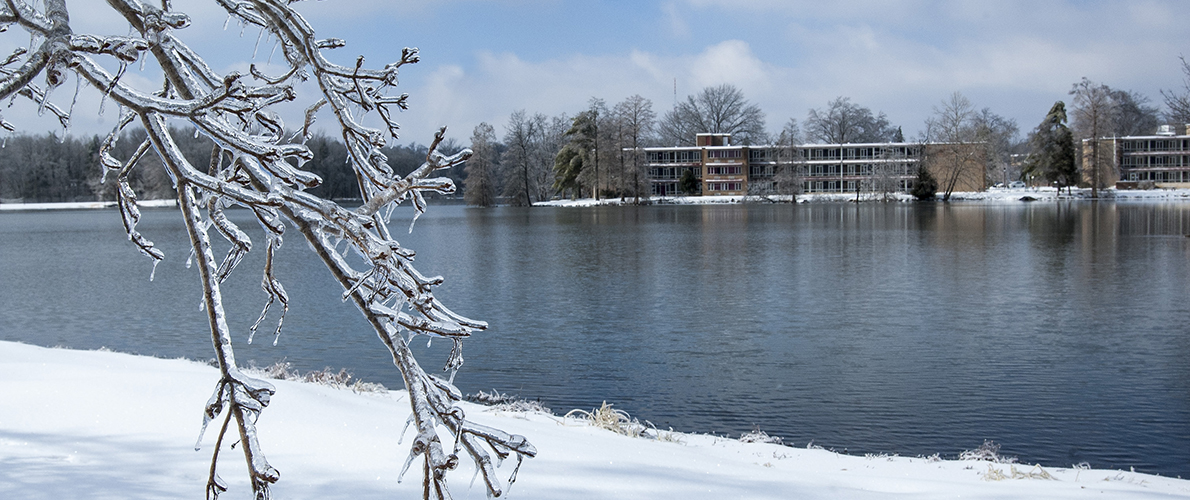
(1057, 330)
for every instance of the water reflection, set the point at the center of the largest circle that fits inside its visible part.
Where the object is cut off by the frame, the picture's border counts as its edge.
(1052, 328)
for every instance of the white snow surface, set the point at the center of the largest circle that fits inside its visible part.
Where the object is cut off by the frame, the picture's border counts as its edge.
(100, 425)
(81, 205)
(994, 195)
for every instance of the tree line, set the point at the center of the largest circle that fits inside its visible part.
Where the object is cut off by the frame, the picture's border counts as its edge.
(595, 151)
(50, 168)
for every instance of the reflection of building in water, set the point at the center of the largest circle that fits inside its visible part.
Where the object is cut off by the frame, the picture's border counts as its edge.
(1161, 160)
(713, 166)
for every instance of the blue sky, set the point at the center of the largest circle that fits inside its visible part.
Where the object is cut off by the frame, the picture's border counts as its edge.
(482, 60)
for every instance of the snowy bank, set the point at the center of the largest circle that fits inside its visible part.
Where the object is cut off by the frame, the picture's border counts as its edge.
(998, 195)
(81, 205)
(96, 424)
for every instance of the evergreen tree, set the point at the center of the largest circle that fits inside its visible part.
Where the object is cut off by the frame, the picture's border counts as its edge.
(1053, 149)
(688, 183)
(926, 186)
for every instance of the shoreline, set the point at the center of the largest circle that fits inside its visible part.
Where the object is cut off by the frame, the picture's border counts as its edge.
(997, 195)
(123, 426)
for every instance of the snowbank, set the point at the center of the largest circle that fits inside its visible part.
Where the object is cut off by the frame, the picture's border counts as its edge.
(1004, 195)
(96, 424)
(81, 205)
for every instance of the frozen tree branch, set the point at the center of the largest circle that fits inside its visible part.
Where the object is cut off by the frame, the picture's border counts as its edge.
(253, 165)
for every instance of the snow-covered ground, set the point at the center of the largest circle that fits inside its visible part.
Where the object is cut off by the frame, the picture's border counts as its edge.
(991, 195)
(97, 425)
(81, 205)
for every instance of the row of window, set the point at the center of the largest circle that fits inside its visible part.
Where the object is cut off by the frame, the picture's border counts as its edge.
(672, 172)
(725, 153)
(1155, 161)
(867, 169)
(861, 153)
(891, 169)
(669, 189)
(694, 156)
(1135, 145)
(724, 186)
(767, 154)
(1166, 176)
(729, 170)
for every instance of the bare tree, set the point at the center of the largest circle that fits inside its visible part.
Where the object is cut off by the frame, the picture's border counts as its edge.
(1134, 114)
(636, 120)
(1179, 102)
(549, 142)
(843, 122)
(790, 166)
(954, 158)
(254, 166)
(1094, 119)
(887, 171)
(998, 136)
(522, 138)
(481, 168)
(721, 109)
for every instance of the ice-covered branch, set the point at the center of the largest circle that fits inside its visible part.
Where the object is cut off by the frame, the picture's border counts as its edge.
(252, 165)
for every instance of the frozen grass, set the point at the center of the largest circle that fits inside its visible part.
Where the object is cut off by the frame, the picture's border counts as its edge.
(759, 436)
(987, 452)
(284, 370)
(495, 401)
(612, 419)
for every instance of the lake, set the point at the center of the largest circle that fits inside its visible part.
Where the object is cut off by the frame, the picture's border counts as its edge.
(1058, 330)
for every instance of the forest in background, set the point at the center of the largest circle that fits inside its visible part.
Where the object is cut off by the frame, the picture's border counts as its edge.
(50, 168)
(590, 153)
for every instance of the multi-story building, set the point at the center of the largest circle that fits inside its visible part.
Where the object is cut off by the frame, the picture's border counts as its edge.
(1162, 159)
(719, 168)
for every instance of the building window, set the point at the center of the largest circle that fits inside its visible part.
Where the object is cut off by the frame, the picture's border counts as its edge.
(724, 153)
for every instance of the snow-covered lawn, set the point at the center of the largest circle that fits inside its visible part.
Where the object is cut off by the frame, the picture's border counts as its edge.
(82, 205)
(991, 195)
(95, 424)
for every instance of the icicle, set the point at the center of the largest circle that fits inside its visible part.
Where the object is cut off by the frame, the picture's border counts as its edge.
(429, 340)
(474, 476)
(388, 214)
(202, 305)
(45, 98)
(154, 271)
(257, 46)
(452, 375)
(519, 459)
(190, 259)
(408, 461)
(416, 214)
(274, 51)
(227, 21)
(401, 436)
(112, 86)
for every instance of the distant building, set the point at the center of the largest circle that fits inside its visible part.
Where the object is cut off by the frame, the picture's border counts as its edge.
(721, 168)
(1160, 160)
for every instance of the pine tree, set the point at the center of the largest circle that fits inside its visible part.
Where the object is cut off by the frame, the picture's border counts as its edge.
(1053, 149)
(926, 186)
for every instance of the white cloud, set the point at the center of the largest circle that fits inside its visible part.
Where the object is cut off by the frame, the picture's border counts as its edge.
(1015, 56)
